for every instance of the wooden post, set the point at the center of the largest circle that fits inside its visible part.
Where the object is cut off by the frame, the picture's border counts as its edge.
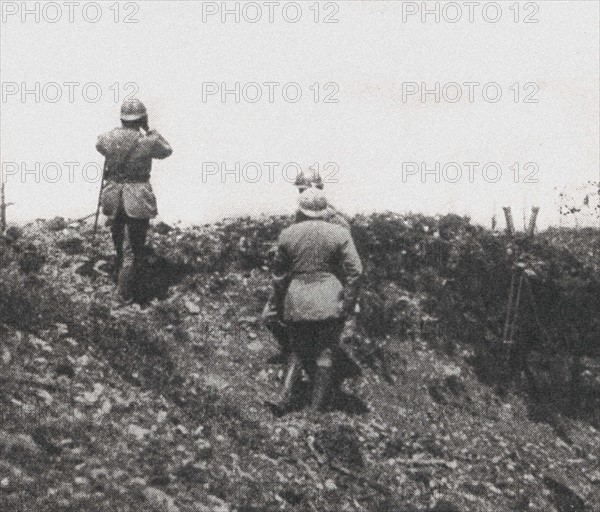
(510, 225)
(2, 208)
(532, 220)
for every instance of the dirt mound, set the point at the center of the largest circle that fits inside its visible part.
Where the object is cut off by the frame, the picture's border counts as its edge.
(161, 405)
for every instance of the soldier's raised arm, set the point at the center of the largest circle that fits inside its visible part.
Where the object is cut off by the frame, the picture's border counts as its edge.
(160, 147)
(101, 145)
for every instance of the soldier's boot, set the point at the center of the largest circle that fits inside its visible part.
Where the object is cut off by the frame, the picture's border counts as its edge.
(322, 382)
(118, 266)
(118, 235)
(127, 281)
(293, 374)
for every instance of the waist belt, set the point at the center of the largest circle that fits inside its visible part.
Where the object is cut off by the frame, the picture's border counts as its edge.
(120, 179)
(312, 274)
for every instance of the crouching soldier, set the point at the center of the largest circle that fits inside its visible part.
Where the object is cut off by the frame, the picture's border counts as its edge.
(127, 198)
(315, 283)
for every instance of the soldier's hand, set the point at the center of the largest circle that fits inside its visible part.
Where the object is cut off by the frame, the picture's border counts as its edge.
(350, 331)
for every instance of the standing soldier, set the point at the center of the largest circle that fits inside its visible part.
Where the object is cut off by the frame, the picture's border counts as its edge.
(127, 198)
(315, 284)
(271, 320)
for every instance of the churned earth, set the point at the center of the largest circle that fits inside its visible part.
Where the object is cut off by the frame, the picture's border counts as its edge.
(106, 407)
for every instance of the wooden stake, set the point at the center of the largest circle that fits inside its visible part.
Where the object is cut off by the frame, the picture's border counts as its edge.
(510, 225)
(2, 209)
(532, 220)
(3, 206)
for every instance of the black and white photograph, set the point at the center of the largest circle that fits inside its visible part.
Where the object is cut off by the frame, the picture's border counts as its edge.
(300, 256)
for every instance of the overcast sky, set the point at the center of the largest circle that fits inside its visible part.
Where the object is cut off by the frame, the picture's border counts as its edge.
(374, 53)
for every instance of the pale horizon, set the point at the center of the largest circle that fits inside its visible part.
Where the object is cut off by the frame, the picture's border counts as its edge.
(367, 58)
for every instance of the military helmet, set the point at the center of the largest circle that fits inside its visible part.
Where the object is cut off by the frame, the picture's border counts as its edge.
(132, 110)
(313, 203)
(302, 182)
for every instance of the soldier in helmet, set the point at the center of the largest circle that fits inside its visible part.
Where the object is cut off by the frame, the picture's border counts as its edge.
(272, 320)
(127, 198)
(315, 283)
(333, 214)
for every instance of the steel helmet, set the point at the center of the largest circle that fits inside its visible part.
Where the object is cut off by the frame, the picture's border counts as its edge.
(132, 110)
(313, 203)
(312, 180)
(302, 182)
(316, 180)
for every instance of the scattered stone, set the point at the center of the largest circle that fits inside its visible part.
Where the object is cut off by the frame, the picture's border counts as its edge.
(12, 234)
(330, 485)
(105, 408)
(138, 481)
(216, 381)
(102, 267)
(192, 307)
(204, 449)
(159, 500)
(14, 472)
(62, 329)
(56, 224)
(182, 430)
(71, 244)
(31, 260)
(65, 369)
(255, 346)
(98, 473)
(162, 228)
(44, 395)
(22, 443)
(218, 505)
(252, 320)
(81, 480)
(445, 506)
(594, 477)
(91, 397)
(138, 432)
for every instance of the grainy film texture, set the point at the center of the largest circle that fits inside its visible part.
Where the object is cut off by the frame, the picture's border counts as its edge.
(299, 256)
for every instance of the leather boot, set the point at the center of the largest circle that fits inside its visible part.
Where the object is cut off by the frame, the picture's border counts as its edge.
(321, 388)
(293, 374)
(126, 282)
(116, 270)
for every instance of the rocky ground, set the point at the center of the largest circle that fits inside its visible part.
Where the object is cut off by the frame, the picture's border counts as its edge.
(161, 406)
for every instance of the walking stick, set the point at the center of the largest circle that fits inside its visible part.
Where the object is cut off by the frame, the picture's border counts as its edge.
(99, 201)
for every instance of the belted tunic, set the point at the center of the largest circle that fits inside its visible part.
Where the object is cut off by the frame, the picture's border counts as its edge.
(129, 157)
(316, 271)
